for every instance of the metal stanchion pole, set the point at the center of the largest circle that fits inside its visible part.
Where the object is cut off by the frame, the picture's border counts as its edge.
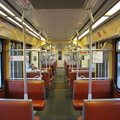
(90, 56)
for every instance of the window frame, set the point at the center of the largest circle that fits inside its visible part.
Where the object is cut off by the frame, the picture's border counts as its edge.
(2, 68)
(117, 52)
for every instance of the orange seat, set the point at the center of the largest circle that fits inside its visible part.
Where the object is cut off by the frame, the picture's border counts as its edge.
(36, 92)
(80, 91)
(101, 109)
(45, 77)
(74, 69)
(73, 75)
(50, 73)
(14, 109)
(39, 104)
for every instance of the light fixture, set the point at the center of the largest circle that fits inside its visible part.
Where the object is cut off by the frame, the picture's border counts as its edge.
(2, 13)
(75, 38)
(36, 33)
(27, 26)
(33, 34)
(114, 9)
(14, 21)
(6, 9)
(83, 34)
(102, 19)
(43, 39)
(18, 19)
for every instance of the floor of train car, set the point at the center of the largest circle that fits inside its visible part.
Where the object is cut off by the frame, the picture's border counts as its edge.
(59, 102)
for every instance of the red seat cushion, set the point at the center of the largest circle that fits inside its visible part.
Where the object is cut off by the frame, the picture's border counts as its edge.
(80, 118)
(78, 104)
(36, 118)
(39, 104)
(51, 79)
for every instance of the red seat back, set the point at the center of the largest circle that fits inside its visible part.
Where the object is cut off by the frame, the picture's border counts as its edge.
(101, 110)
(35, 90)
(74, 74)
(16, 110)
(100, 89)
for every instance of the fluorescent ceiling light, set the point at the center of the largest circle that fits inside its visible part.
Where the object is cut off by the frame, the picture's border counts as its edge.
(14, 21)
(114, 9)
(36, 33)
(2, 13)
(24, 23)
(43, 39)
(6, 9)
(75, 38)
(83, 34)
(102, 19)
(39, 35)
(18, 19)
(33, 34)
(28, 26)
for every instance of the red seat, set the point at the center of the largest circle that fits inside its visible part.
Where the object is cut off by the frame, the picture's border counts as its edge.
(45, 77)
(80, 91)
(36, 92)
(17, 110)
(73, 76)
(80, 118)
(39, 104)
(101, 109)
(50, 73)
(74, 69)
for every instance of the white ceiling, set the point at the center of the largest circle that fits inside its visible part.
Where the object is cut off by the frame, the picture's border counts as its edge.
(58, 24)
(60, 18)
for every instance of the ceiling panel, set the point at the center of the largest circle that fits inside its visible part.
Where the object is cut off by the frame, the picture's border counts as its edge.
(60, 18)
(58, 24)
(58, 4)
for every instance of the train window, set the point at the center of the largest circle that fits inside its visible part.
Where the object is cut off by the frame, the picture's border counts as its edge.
(102, 68)
(117, 80)
(1, 79)
(59, 55)
(16, 69)
(16, 66)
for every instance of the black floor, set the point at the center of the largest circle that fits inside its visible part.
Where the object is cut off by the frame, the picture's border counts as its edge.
(59, 102)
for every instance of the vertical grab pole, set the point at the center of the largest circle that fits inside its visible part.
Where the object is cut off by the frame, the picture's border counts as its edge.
(90, 57)
(77, 53)
(24, 62)
(40, 55)
(50, 47)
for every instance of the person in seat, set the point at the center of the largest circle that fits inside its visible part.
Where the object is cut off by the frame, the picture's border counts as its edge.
(32, 66)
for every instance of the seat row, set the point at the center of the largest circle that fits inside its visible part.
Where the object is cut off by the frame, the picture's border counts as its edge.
(14, 109)
(35, 90)
(100, 90)
(102, 106)
(101, 109)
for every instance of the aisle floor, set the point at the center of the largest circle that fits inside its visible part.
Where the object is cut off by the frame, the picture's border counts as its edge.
(59, 102)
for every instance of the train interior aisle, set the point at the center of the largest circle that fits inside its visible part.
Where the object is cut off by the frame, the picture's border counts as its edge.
(59, 104)
(60, 59)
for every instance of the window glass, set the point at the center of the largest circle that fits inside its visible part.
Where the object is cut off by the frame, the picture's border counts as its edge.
(59, 55)
(117, 79)
(118, 70)
(1, 78)
(16, 66)
(102, 68)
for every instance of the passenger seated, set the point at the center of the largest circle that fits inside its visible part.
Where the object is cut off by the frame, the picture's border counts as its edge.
(32, 67)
